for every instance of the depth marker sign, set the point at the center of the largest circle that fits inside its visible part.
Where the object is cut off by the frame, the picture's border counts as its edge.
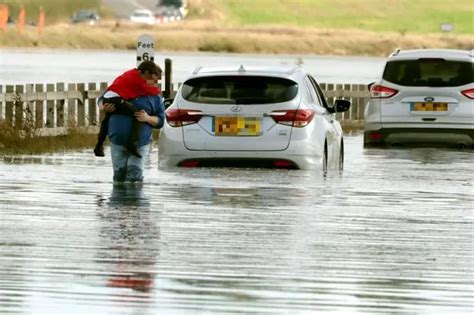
(145, 48)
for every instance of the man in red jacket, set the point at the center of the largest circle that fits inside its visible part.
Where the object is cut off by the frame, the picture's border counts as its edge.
(128, 86)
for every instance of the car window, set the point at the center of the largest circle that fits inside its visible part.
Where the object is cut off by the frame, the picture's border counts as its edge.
(239, 90)
(84, 15)
(319, 92)
(429, 72)
(312, 95)
(141, 14)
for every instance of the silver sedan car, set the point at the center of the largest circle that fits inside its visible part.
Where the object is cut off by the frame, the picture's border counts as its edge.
(423, 97)
(252, 117)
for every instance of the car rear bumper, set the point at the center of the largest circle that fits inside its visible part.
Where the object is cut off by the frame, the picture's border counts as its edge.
(303, 154)
(264, 159)
(419, 136)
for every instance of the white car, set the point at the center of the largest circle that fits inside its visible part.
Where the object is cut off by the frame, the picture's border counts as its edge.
(252, 117)
(423, 97)
(143, 16)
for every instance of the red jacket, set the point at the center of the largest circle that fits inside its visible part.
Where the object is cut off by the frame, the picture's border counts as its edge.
(130, 85)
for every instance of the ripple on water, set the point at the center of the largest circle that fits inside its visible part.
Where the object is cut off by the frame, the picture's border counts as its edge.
(392, 234)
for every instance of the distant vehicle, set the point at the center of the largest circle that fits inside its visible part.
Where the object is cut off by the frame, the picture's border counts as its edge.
(168, 14)
(143, 16)
(171, 3)
(423, 97)
(271, 117)
(86, 16)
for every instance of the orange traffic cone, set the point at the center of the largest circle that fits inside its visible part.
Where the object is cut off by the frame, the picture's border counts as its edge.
(21, 20)
(41, 20)
(3, 16)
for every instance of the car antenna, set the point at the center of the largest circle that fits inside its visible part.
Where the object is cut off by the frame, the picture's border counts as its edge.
(396, 51)
(197, 69)
(242, 69)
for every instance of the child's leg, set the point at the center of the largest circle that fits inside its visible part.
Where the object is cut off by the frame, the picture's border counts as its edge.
(132, 144)
(104, 129)
(125, 108)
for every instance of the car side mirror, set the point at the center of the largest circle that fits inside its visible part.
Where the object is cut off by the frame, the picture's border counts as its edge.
(342, 105)
(167, 102)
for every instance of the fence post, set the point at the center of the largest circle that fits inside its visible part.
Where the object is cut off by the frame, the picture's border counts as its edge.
(346, 89)
(168, 78)
(9, 105)
(39, 107)
(362, 102)
(339, 90)
(30, 108)
(1, 103)
(71, 106)
(60, 106)
(81, 108)
(50, 102)
(103, 87)
(19, 108)
(91, 103)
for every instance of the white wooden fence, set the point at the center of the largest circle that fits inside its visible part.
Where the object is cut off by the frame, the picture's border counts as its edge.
(52, 109)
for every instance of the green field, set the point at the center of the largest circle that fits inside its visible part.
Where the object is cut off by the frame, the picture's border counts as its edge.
(413, 16)
(419, 16)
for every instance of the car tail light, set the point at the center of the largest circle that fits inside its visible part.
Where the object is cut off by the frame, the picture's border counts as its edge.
(189, 163)
(182, 117)
(376, 136)
(380, 91)
(293, 117)
(468, 93)
(284, 164)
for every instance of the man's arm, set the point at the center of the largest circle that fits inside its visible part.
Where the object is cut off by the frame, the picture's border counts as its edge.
(142, 116)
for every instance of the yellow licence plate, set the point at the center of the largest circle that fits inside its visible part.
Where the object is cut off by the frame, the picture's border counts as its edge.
(429, 107)
(237, 126)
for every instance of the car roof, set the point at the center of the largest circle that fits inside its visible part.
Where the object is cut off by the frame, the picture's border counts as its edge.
(139, 11)
(83, 12)
(452, 54)
(276, 71)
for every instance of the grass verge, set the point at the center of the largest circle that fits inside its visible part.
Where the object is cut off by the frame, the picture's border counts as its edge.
(20, 141)
(197, 36)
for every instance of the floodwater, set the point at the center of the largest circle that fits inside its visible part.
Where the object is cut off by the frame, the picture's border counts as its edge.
(24, 66)
(392, 234)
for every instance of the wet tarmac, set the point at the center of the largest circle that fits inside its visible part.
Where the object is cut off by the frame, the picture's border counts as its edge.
(392, 234)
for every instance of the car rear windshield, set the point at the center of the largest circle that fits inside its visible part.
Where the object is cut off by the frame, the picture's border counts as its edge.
(429, 72)
(239, 90)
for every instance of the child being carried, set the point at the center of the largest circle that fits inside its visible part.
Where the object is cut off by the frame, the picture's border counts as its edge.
(126, 87)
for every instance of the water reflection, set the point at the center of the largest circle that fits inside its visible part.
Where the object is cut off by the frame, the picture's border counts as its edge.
(129, 239)
(392, 234)
(14, 286)
(436, 156)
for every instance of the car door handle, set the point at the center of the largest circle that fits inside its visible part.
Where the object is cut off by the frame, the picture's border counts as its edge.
(428, 119)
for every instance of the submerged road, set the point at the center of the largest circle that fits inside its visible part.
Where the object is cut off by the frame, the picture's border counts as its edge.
(391, 234)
